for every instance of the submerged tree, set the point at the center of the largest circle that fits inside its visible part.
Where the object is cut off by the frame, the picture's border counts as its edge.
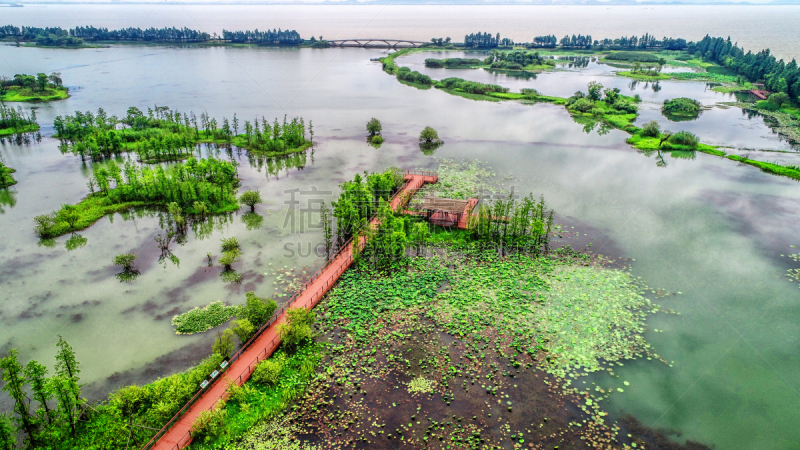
(374, 127)
(251, 198)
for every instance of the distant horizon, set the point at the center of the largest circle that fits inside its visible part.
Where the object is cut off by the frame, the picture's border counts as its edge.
(421, 2)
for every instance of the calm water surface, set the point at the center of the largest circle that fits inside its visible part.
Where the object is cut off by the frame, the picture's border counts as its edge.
(706, 227)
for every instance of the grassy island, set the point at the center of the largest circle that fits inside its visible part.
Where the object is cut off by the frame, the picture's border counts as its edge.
(33, 88)
(16, 121)
(6, 179)
(681, 109)
(198, 187)
(166, 135)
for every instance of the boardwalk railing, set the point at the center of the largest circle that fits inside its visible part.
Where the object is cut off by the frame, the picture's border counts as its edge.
(273, 345)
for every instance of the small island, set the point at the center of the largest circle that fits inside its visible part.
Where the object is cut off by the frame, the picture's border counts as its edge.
(682, 108)
(167, 135)
(15, 121)
(33, 88)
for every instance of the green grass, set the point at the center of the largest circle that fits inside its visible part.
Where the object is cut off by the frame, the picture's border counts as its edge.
(25, 129)
(91, 209)
(25, 94)
(775, 169)
(644, 76)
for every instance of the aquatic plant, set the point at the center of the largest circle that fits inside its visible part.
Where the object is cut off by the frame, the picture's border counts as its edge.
(421, 385)
(198, 320)
(6, 179)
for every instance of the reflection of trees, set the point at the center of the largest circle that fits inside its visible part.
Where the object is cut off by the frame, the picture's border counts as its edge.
(74, 242)
(252, 220)
(275, 166)
(7, 198)
(430, 149)
(659, 155)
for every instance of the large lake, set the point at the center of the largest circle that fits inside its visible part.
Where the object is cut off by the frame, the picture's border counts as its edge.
(708, 228)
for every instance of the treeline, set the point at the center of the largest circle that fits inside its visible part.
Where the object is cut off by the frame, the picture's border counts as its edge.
(197, 187)
(778, 76)
(579, 41)
(90, 33)
(486, 40)
(164, 134)
(644, 42)
(56, 36)
(515, 59)
(49, 410)
(544, 41)
(263, 37)
(514, 226)
(470, 87)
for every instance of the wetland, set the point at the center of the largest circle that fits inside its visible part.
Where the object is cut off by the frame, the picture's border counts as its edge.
(414, 352)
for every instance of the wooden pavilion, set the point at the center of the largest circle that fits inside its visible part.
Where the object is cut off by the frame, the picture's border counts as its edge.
(447, 211)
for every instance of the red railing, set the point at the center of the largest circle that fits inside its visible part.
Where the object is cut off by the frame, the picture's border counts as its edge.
(332, 279)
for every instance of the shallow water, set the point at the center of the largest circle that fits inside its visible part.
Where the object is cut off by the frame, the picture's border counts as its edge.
(706, 227)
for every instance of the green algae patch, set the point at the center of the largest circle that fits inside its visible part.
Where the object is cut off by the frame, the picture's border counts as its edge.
(198, 320)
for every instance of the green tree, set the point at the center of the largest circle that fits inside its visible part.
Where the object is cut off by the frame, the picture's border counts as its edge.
(223, 344)
(595, 91)
(8, 435)
(428, 136)
(41, 81)
(251, 198)
(257, 310)
(36, 375)
(243, 330)
(327, 228)
(297, 328)
(374, 126)
(779, 98)
(14, 379)
(126, 261)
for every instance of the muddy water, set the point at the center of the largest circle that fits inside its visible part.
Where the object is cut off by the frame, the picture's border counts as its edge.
(708, 228)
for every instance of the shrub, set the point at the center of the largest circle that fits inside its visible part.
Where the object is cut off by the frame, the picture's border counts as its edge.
(210, 423)
(297, 328)
(374, 126)
(684, 138)
(429, 136)
(651, 129)
(582, 105)
(229, 258)
(268, 371)
(231, 243)
(125, 260)
(779, 98)
(597, 111)
(258, 310)
(761, 104)
(529, 92)
(376, 140)
(682, 106)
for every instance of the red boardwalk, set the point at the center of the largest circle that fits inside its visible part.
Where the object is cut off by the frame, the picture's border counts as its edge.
(264, 344)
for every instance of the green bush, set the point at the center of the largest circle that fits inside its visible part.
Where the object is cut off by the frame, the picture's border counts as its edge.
(582, 105)
(231, 243)
(268, 371)
(198, 320)
(376, 140)
(651, 129)
(209, 423)
(684, 138)
(768, 105)
(685, 107)
(257, 310)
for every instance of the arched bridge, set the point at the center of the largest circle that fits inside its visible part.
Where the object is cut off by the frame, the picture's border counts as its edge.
(375, 42)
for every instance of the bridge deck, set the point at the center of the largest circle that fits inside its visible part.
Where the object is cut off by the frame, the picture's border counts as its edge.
(178, 437)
